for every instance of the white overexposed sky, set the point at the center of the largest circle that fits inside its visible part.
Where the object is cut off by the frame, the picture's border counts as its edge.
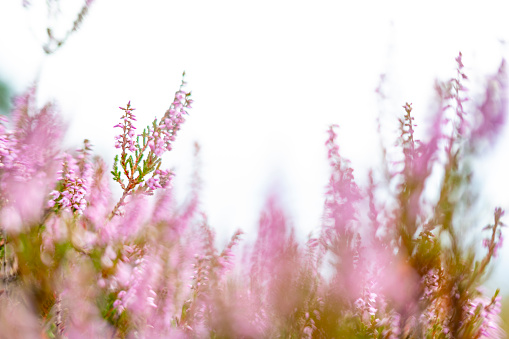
(267, 77)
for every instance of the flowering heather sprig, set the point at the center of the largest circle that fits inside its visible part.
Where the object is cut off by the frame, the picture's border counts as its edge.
(482, 317)
(367, 303)
(137, 294)
(209, 271)
(147, 148)
(430, 282)
(418, 156)
(342, 191)
(338, 234)
(76, 176)
(493, 111)
(99, 198)
(33, 143)
(126, 140)
(458, 87)
(163, 134)
(407, 133)
(29, 160)
(226, 256)
(418, 160)
(496, 240)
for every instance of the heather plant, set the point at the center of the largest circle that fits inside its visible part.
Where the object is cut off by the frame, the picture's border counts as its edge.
(387, 261)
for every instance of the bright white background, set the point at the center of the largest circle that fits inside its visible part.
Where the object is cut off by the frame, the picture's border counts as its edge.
(267, 77)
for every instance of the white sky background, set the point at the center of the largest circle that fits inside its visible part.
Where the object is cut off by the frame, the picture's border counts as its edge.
(267, 77)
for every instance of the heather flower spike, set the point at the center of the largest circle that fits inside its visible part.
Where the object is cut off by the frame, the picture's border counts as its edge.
(76, 175)
(141, 153)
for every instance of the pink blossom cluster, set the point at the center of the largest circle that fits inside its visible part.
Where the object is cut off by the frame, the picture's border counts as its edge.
(161, 179)
(75, 185)
(28, 152)
(485, 313)
(163, 134)
(126, 139)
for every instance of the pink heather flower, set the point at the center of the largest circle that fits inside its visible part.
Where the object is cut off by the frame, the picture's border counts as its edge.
(458, 87)
(272, 231)
(163, 134)
(367, 305)
(360, 304)
(422, 155)
(54, 195)
(488, 319)
(151, 299)
(430, 283)
(182, 221)
(99, 196)
(75, 182)
(486, 243)
(27, 159)
(498, 245)
(126, 140)
(82, 317)
(153, 183)
(109, 255)
(494, 109)
(160, 179)
(38, 133)
(458, 60)
(342, 191)
(340, 215)
(139, 296)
